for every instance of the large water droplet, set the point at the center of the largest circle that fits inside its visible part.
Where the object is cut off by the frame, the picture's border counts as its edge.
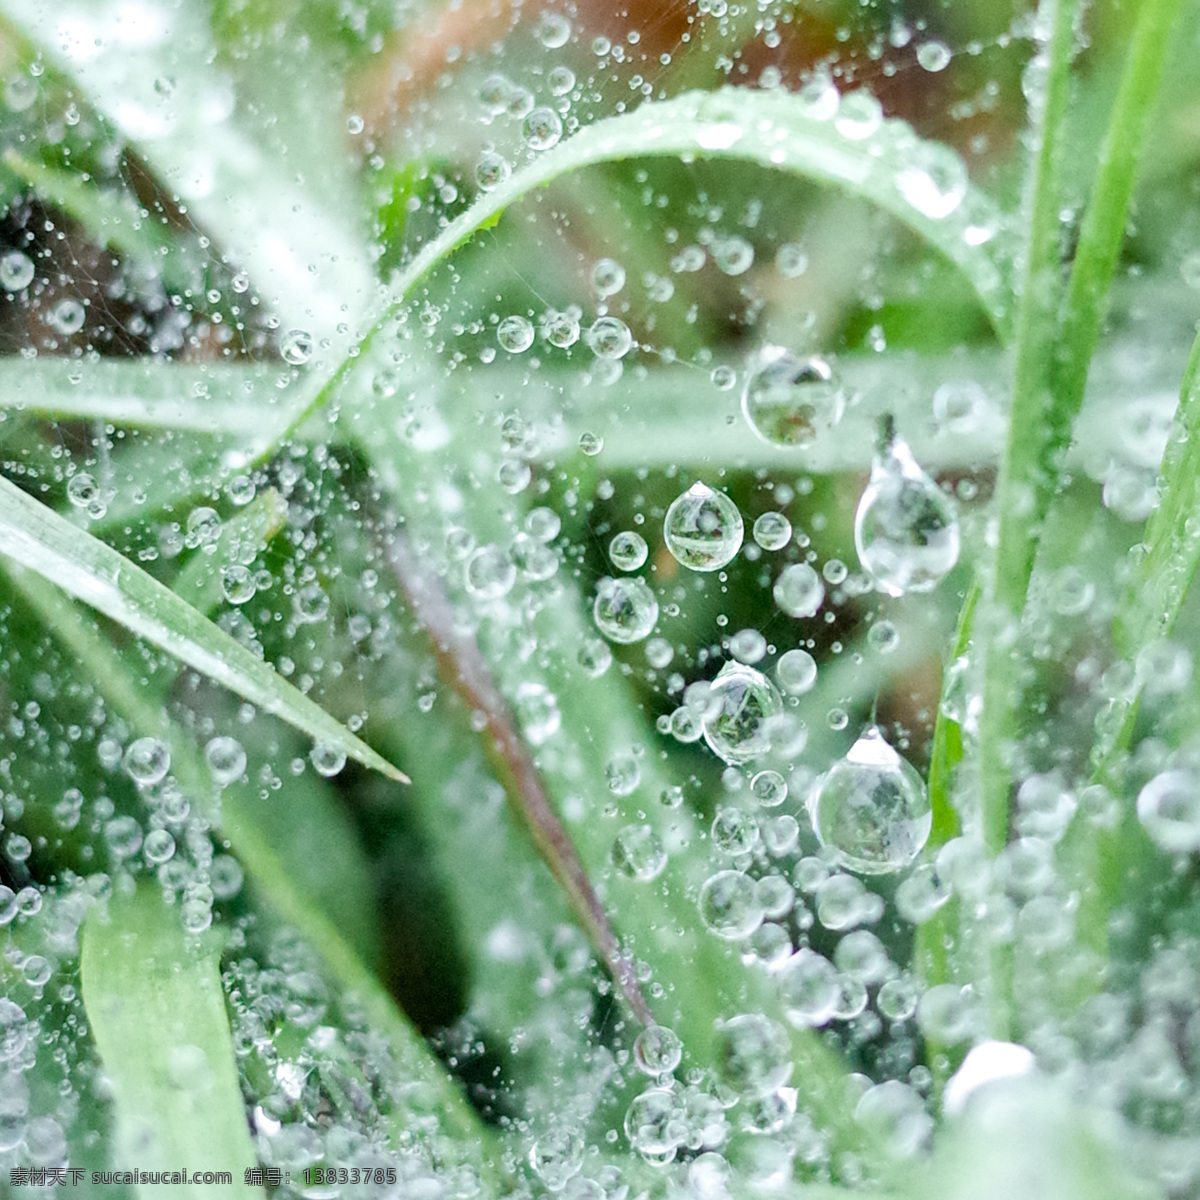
(638, 852)
(703, 528)
(791, 400)
(906, 528)
(729, 905)
(16, 271)
(625, 610)
(871, 808)
(737, 717)
(753, 1055)
(799, 591)
(147, 760)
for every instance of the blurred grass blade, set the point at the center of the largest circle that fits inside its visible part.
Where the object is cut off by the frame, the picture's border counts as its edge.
(39, 539)
(157, 1012)
(778, 131)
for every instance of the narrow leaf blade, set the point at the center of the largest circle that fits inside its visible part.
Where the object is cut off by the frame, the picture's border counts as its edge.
(39, 539)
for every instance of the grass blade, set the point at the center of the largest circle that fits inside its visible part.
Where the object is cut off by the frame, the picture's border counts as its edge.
(157, 1013)
(39, 539)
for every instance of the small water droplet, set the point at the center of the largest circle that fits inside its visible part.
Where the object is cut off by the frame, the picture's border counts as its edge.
(625, 610)
(729, 905)
(608, 277)
(790, 400)
(799, 591)
(327, 758)
(16, 271)
(871, 808)
(737, 716)
(703, 528)
(147, 761)
(542, 129)
(226, 759)
(906, 528)
(609, 338)
(797, 672)
(515, 334)
(657, 1051)
(491, 171)
(296, 346)
(628, 550)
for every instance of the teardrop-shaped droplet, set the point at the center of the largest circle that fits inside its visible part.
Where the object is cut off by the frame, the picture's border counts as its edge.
(906, 527)
(703, 528)
(871, 808)
(790, 400)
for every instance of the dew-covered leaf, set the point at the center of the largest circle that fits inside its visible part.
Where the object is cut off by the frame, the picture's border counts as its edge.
(36, 538)
(156, 1007)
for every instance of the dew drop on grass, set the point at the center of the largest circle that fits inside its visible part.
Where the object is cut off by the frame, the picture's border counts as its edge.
(542, 129)
(723, 377)
(310, 604)
(796, 672)
(490, 573)
(561, 80)
(883, 637)
(82, 489)
(737, 717)
(147, 761)
(327, 759)
(1169, 810)
(653, 1125)
(608, 277)
(638, 853)
(515, 334)
(16, 271)
(871, 808)
(625, 609)
(859, 115)
(628, 550)
(225, 758)
(772, 531)
(594, 657)
(906, 527)
(491, 171)
(734, 832)
(657, 1051)
(237, 584)
(934, 56)
(729, 906)
(810, 989)
(296, 346)
(703, 529)
(752, 1053)
(553, 30)
(67, 317)
(622, 774)
(609, 338)
(789, 399)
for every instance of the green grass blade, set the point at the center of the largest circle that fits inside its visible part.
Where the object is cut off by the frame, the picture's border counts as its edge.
(157, 1013)
(39, 539)
(774, 130)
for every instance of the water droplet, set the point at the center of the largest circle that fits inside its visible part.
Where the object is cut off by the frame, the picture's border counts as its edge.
(737, 718)
(871, 808)
(608, 277)
(729, 905)
(628, 550)
(515, 334)
(810, 989)
(491, 171)
(16, 271)
(543, 128)
(769, 788)
(591, 443)
(772, 531)
(327, 758)
(609, 338)
(625, 610)
(733, 255)
(159, 847)
(933, 180)
(921, 894)
(895, 1114)
(897, 999)
(799, 591)
(147, 761)
(552, 30)
(703, 528)
(82, 489)
(752, 1054)
(490, 573)
(862, 956)
(653, 1123)
(1169, 810)
(296, 346)
(723, 377)
(906, 528)
(934, 56)
(638, 852)
(310, 604)
(67, 317)
(883, 637)
(561, 80)
(557, 1157)
(797, 672)
(859, 115)
(748, 646)
(594, 657)
(960, 405)
(734, 832)
(791, 400)
(560, 329)
(791, 260)
(538, 712)
(226, 759)
(124, 837)
(657, 1050)
(948, 1014)
(237, 584)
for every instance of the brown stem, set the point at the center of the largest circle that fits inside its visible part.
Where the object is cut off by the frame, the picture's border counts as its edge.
(461, 663)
